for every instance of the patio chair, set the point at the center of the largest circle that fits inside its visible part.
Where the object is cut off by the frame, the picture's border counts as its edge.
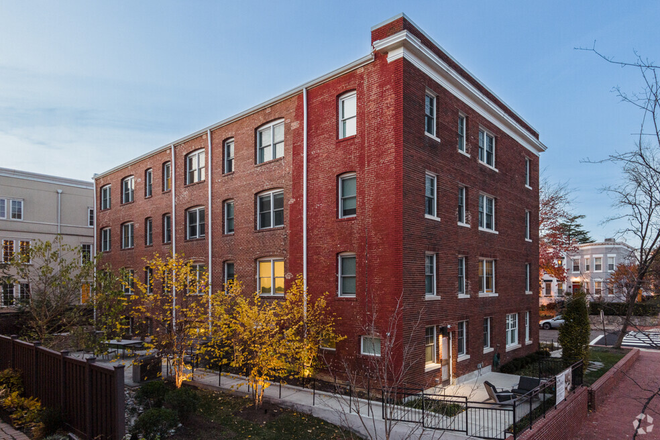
(499, 396)
(526, 384)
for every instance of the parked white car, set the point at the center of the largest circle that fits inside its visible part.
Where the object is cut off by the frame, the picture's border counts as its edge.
(555, 322)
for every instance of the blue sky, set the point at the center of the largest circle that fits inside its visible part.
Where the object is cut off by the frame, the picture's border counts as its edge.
(85, 86)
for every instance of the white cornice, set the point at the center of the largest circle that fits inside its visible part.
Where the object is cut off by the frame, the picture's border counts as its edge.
(45, 178)
(405, 45)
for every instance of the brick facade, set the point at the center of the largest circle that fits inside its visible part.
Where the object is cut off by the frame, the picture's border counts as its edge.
(390, 155)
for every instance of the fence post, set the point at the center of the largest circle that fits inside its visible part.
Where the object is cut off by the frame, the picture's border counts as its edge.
(12, 358)
(423, 407)
(63, 355)
(36, 376)
(531, 409)
(88, 397)
(314, 392)
(119, 409)
(515, 435)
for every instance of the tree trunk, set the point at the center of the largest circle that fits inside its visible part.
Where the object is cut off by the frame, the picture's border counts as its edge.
(632, 298)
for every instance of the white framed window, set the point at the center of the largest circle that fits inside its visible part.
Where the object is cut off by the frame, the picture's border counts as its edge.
(487, 332)
(461, 205)
(576, 265)
(105, 240)
(270, 209)
(16, 212)
(461, 338)
(167, 176)
(611, 263)
(528, 226)
(229, 156)
(128, 189)
(148, 231)
(429, 113)
(461, 275)
(148, 182)
(24, 250)
(129, 281)
(486, 148)
(195, 167)
(229, 217)
(195, 223)
(347, 115)
(127, 236)
(511, 329)
(149, 279)
(196, 286)
(167, 228)
(486, 212)
(598, 287)
(528, 277)
(429, 272)
(587, 264)
(105, 197)
(486, 276)
(598, 264)
(24, 291)
(528, 336)
(270, 274)
(90, 217)
(461, 133)
(7, 294)
(3, 208)
(270, 142)
(370, 345)
(347, 274)
(528, 171)
(347, 195)
(230, 274)
(85, 253)
(560, 288)
(431, 201)
(430, 351)
(7, 250)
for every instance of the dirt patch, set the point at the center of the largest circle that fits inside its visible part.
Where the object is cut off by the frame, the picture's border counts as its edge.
(201, 428)
(267, 412)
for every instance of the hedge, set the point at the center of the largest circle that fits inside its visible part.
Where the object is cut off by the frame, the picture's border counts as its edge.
(620, 309)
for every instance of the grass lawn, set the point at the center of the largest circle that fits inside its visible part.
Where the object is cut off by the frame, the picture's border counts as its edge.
(224, 416)
(608, 356)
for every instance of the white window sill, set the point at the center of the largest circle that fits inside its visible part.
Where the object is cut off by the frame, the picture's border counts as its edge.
(465, 225)
(488, 350)
(528, 187)
(528, 292)
(345, 296)
(432, 137)
(529, 342)
(270, 295)
(492, 231)
(488, 166)
(528, 240)
(463, 296)
(431, 367)
(487, 295)
(512, 347)
(464, 153)
(432, 297)
(463, 357)
(432, 217)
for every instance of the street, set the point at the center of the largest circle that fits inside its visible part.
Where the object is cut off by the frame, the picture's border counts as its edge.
(553, 335)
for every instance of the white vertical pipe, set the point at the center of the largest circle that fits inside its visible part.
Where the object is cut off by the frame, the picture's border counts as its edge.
(209, 231)
(59, 211)
(173, 217)
(305, 202)
(94, 245)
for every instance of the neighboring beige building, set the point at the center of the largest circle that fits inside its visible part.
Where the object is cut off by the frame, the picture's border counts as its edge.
(38, 207)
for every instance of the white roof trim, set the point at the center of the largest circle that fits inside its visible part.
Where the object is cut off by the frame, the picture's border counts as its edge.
(45, 178)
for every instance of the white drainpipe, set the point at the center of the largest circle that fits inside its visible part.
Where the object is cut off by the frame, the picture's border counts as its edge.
(209, 229)
(59, 211)
(305, 202)
(173, 238)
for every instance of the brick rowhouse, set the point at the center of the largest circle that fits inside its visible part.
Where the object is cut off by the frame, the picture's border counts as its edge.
(443, 178)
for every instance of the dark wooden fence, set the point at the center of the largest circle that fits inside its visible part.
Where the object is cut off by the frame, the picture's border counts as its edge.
(90, 396)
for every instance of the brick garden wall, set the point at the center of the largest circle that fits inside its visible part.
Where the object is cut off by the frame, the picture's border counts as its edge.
(601, 388)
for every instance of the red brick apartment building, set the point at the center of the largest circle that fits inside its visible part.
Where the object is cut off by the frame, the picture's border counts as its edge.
(397, 179)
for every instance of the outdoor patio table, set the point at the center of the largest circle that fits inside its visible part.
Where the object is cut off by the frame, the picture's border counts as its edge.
(123, 345)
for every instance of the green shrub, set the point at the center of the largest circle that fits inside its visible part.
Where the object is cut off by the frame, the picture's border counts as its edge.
(155, 423)
(23, 411)
(575, 333)
(517, 364)
(620, 309)
(11, 381)
(152, 394)
(51, 420)
(184, 401)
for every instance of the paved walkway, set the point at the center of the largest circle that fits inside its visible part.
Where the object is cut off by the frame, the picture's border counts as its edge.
(9, 433)
(638, 393)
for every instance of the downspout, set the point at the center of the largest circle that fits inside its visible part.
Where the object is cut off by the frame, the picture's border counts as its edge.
(59, 211)
(305, 207)
(173, 239)
(94, 247)
(209, 229)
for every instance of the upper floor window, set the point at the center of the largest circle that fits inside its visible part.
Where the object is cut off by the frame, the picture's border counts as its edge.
(3, 208)
(270, 209)
(167, 228)
(230, 275)
(7, 250)
(85, 253)
(528, 169)
(90, 217)
(528, 226)
(598, 264)
(195, 223)
(611, 264)
(461, 133)
(486, 212)
(347, 115)
(486, 276)
(148, 231)
(587, 264)
(270, 142)
(347, 275)
(511, 329)
(429, 113)
(347, 196)
(430, 206)
(105, 197)
(148, 182)
(429, 272)
(528, 277)
(576, 264)
(127, 236)
(461, 205)
(487, 148)
(461, 275)
(167, 176)
(105, 239)
(487, 333)
(195, 167)
(127, 189)
(149, 279)
(270, 276)
(129, 281)
(26, 256)
(197, 279)
(229, 217)
(16, 210)
(229, 156)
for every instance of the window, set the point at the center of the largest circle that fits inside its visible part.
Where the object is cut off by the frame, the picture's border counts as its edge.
(149, 279)
(560, 288)
(528, 277)
(487, 148)
(347, 275)
(587, 266)
(270, 210)
(149, 231)
(461, 275)
(527, 328)
(196, 285)
(229, 217)
(528, 165)
(429, 345)
(461, 133)
(598, 287)
(461, 338)
(195, 167)
(487, 333)
(598, 264)
(105, 239)
(167, 176)
(105, 197)
(16, 210)
(24, 291)
(148, 182)
(370, 346)
(7, 250)
(528, 227)
(127, 235)
(271, 276)
(347, 115)
(270, 142)
(86, 253)
(461, 205)
(127, 189)
(7, 294)
(24, 249)
(167, 228)
(195, 219)
(128, 281)
(347, 196)
(431, 180)
(511, 329)
(230, 275)
(429, 271)
(429, 114)
(576, 264)
(611, 264)
(547, 287)
(3, 208)
(90, 217)
(487, 276)
(229, 156)
(486, 212)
